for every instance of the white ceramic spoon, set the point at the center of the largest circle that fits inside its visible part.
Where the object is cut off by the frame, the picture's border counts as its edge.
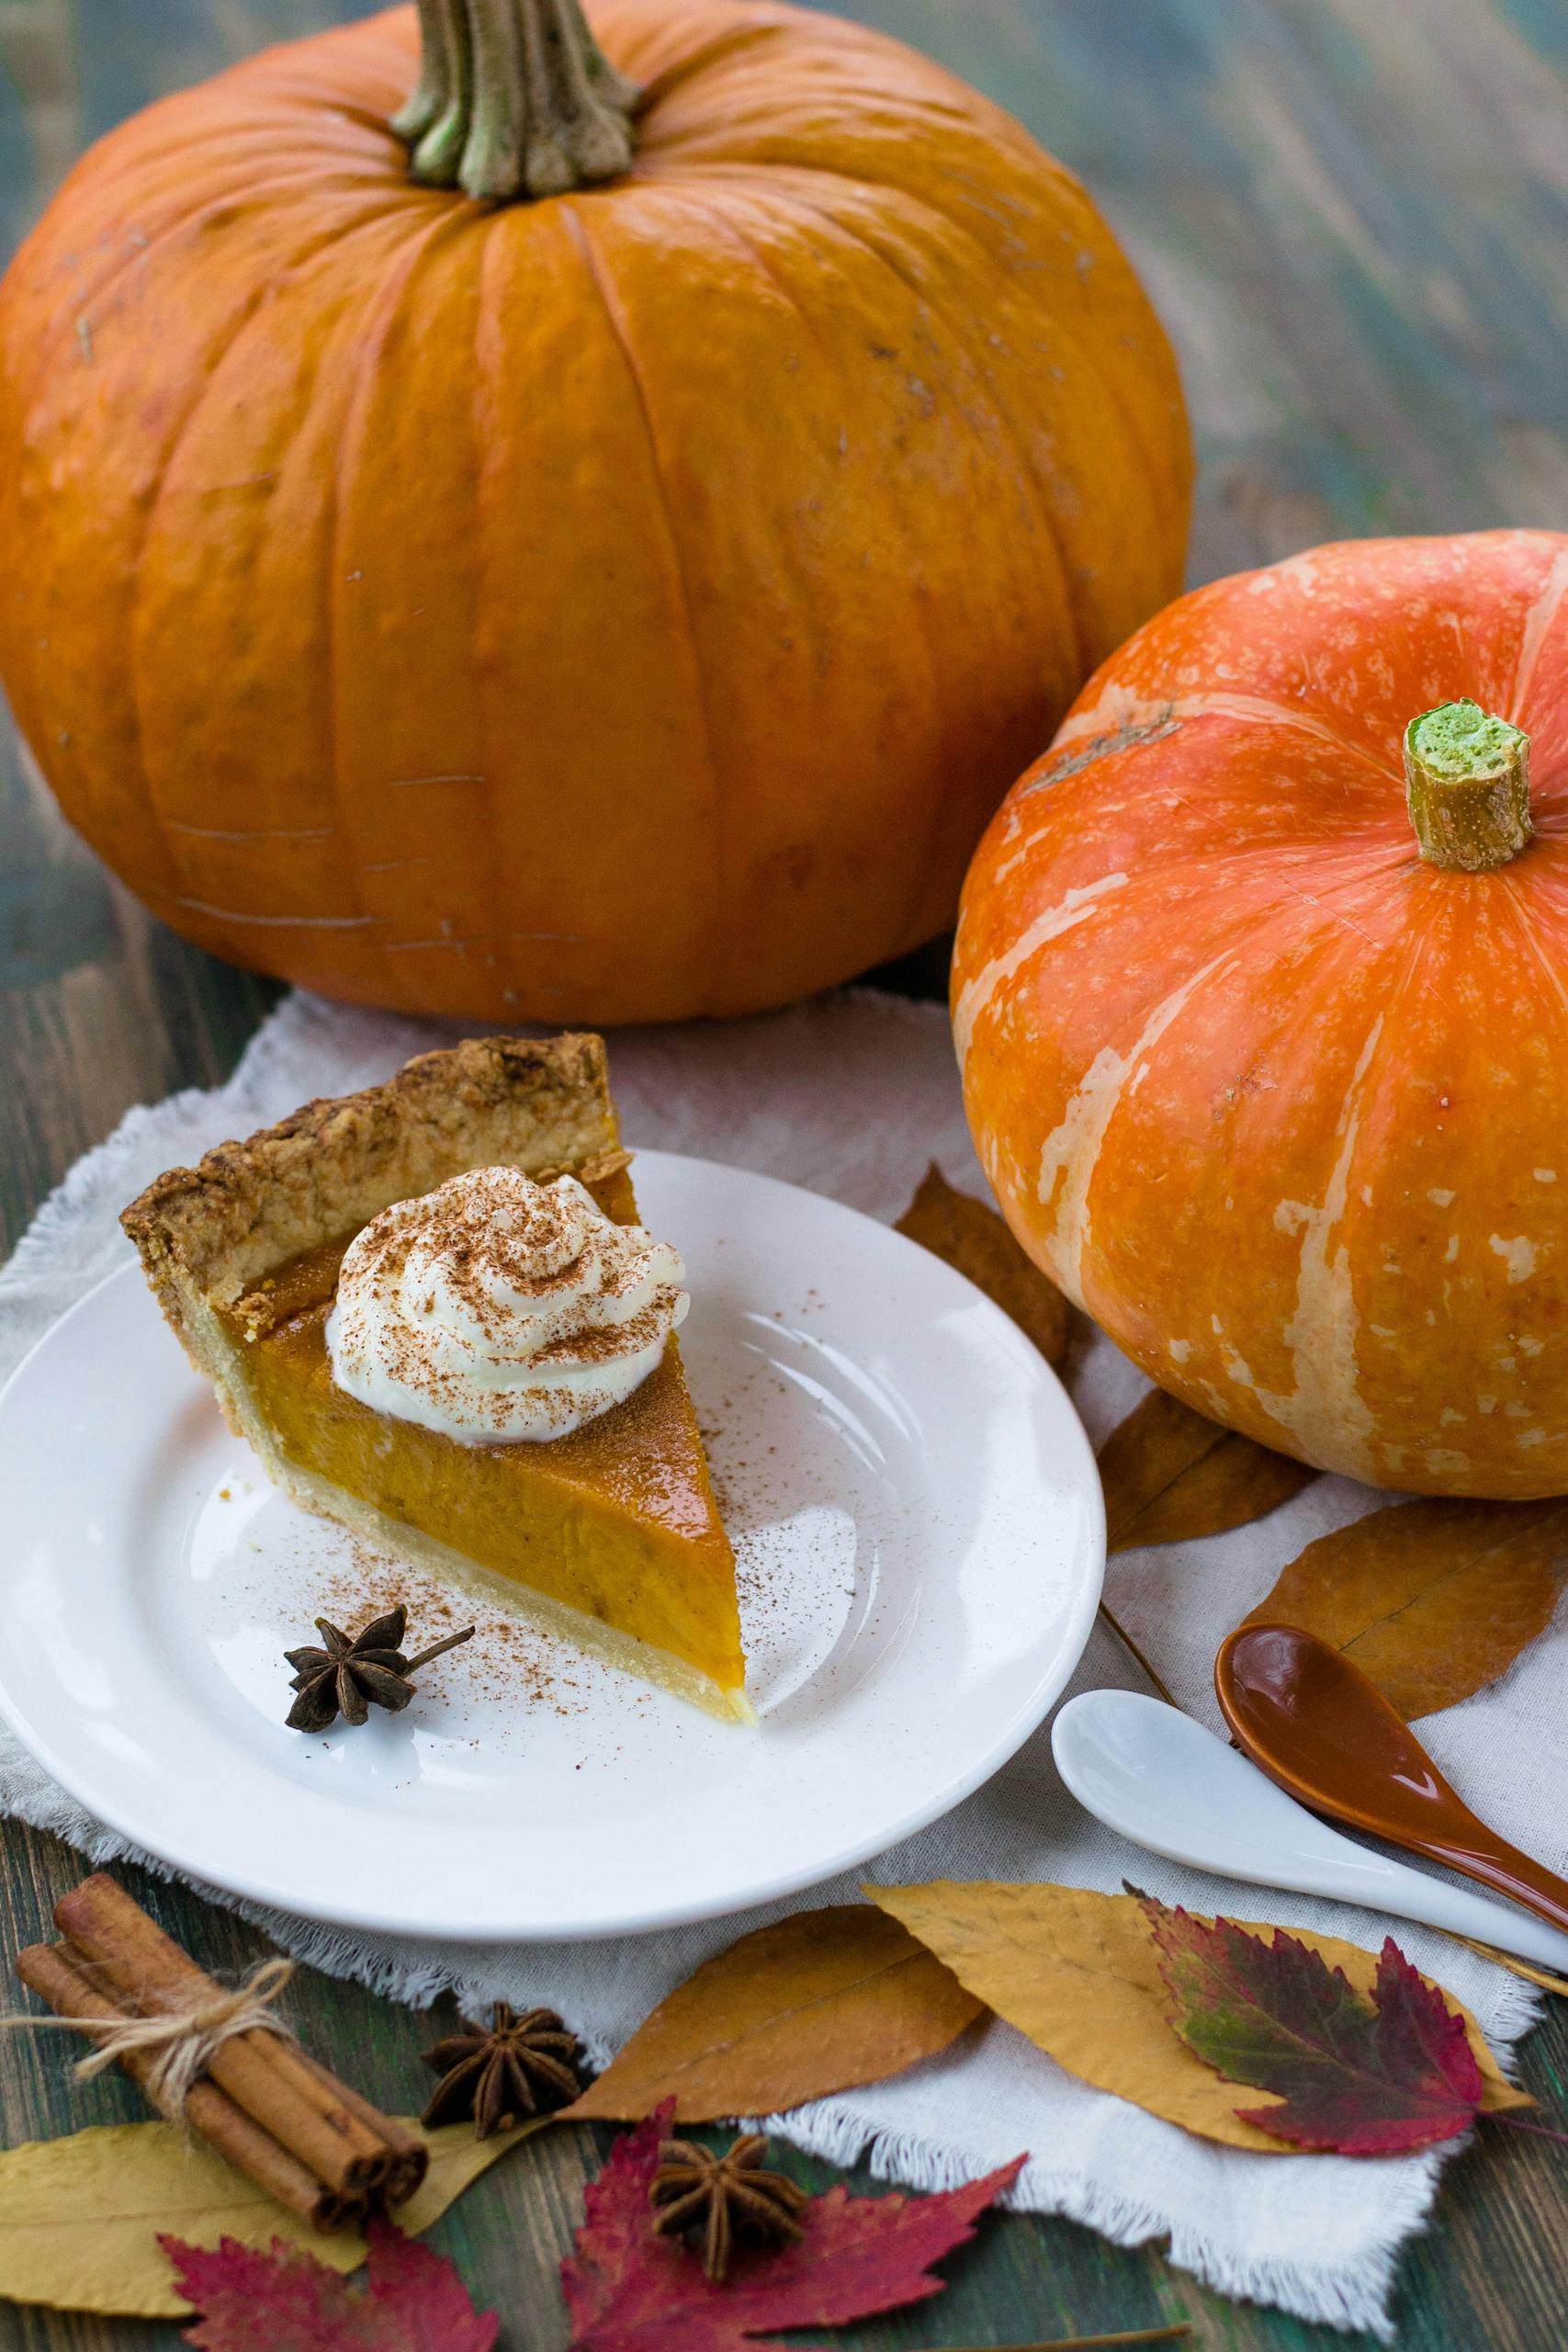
(1155, 1776)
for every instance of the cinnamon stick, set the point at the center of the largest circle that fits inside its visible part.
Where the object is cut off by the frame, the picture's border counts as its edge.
(343, 2142)
(410, 2155)
(52, 1974)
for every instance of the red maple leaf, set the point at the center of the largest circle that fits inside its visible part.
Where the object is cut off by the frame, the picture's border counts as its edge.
(285, 2301)
(1363, 2078)
(629, 2290)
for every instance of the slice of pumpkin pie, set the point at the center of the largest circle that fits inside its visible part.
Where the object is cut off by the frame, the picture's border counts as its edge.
(432, 1310)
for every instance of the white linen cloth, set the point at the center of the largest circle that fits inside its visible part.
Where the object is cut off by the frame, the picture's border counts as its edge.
(853, 1096)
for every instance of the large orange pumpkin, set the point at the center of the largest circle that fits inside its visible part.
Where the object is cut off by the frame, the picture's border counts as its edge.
(618, 605)
(1279, 1098)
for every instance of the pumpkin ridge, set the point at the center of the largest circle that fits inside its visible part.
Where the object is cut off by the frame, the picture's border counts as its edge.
(1313, 1401)
(1267, 916)
(1264, 912)
(1062, 762)
(1323, 917)
(598, 276)
(924, 202)
(310, 111)
(119, 265)
(1516, 900)
(864, 51)
(1048, 518)
(1382, 1463)
(1096, 1101)
(1247, 709)
(712, 53)
(1320, 1346)
(454, 227)
(337, 74)
(1544, 609)
(1353, 845)
(1036, 499)
(939, 696)
(138, 569)
(976, 996)
(332, 243)
(1133, 433)
(373, 323)
(497, 895)
(1270, 1420)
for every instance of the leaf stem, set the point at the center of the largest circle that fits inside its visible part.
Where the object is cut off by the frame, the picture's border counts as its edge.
(1133, 1652)
(1505, 1960)
(1537, 2130)
(1092, 2343)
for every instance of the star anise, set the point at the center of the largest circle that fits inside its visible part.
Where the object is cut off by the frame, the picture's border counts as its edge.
(355, 1672)
(522, 2066)
(729, 2195)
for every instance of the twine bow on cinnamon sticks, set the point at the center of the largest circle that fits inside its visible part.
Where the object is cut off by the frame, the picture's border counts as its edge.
(219, 2060)
(179, 2047)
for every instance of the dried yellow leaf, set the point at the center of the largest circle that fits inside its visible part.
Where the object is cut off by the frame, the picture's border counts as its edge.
(1077, 1971)
(1171, 1476)
(80, 2217)
(1432, 1599)
(974, 1239)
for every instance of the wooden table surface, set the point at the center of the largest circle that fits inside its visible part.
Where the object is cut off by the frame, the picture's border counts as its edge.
(1354, 217)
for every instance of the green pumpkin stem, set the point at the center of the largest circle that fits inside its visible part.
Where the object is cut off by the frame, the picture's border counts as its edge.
(1467, 784)
(514, 98)
(434, 122)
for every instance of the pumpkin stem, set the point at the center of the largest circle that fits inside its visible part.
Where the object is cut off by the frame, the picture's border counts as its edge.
(514, 98)
(1467, 786)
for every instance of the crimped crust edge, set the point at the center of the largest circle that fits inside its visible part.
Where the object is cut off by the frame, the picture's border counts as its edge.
(204, 1233)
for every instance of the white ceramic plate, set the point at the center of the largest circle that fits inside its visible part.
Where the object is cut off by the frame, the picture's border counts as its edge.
(920, 1539)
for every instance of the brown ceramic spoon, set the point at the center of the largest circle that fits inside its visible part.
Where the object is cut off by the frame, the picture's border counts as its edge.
(1315, 1724)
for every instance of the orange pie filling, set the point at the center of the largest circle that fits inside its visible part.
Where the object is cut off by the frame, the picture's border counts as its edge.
(615, 1520)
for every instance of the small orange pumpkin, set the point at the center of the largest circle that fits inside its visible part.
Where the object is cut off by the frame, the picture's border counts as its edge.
(1261, 996)
(621, 603)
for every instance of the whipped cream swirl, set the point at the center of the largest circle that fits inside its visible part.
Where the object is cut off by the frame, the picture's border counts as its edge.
(497, 1309)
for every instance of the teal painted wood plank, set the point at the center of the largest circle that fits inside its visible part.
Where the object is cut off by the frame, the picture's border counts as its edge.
(41, 114)
(15, 189)
(132, 55)
(1544, 25)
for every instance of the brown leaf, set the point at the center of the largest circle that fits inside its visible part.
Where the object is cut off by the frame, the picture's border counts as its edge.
(813, 2003)
(1432, 1599)
(974, 1239)
(1079, 1972)
(1170, 1476)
